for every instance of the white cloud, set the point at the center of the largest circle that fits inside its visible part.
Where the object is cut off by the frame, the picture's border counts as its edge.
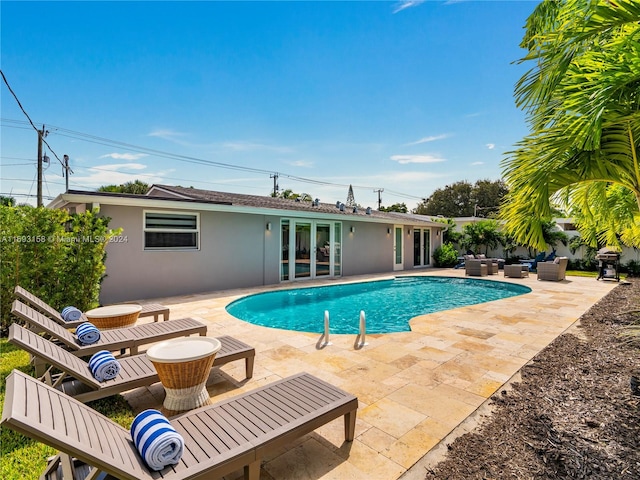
(405, 159)
(116, 174)
(302, 163)
(477, 163)
(252, 146)
(125, 156)
(431, 138)
(403, 5)
(167, 134)
(124, 166)
(490, 146)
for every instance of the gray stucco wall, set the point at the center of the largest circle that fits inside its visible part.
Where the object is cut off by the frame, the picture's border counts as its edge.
(232, 252)
(236, 250)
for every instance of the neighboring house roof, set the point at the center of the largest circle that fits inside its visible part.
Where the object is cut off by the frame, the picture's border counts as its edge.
(165, 196)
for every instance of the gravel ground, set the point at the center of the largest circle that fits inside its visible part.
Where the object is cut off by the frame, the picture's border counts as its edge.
(576, 412)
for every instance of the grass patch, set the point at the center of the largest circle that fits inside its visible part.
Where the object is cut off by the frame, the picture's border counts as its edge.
(22, 458)
(581, 273)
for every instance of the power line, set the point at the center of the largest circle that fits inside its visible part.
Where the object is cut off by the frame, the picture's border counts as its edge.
(6, 82)
(199, 161)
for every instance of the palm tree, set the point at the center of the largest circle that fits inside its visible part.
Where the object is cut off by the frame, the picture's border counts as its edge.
(483, 233)
(582, 99)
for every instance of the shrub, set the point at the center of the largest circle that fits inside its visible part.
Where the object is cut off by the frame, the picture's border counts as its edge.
(445, 256)
(632, 268)
(56, 256)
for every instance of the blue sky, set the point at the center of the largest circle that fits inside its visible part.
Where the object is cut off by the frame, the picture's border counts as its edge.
(402, 96)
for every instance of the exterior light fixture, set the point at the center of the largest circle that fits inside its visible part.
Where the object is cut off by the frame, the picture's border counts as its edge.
(269, 226)
(388, 231)
(353, 229)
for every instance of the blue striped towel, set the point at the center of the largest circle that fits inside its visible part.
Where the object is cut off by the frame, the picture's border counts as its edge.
(71, 314)
(104, 366)
(87, 333)
(156, 440)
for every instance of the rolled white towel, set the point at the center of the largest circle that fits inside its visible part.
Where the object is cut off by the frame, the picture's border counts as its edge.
(71, 314)
(104, 366)
(87, 333)
(156, 440)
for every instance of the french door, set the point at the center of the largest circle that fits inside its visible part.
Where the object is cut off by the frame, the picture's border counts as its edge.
(313, 247)
(398, 250)
(421, 247)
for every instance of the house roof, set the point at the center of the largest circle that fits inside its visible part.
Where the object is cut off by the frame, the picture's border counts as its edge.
(172, 196)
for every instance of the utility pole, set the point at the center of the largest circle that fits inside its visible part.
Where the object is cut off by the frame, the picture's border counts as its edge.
(275, 184)
(379, 191)
(65, 173)
(41, 134)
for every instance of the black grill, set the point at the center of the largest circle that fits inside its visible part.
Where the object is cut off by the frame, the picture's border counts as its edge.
(608, 264)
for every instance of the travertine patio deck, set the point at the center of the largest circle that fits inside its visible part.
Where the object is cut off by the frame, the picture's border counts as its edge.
(414, 387)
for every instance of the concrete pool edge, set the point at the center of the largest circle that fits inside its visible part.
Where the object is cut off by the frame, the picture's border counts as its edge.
(389, 305)
(395, 370)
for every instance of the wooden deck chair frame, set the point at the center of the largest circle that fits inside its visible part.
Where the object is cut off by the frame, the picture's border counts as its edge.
(131, 338)
(233, 434)
(149, 310)
(77, 381)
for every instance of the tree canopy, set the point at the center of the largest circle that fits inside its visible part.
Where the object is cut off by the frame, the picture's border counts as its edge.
(461, 199)
(290, 194)
(396, 207)
(582, 100)
(137, 188)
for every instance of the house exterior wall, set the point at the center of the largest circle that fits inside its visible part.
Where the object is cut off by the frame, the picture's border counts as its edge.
(358, 255)
(236, 250)
(232, 254)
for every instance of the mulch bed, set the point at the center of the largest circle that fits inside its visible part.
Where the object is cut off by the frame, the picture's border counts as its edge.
(575, 414)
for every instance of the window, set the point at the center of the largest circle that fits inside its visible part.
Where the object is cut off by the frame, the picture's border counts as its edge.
(171, 231)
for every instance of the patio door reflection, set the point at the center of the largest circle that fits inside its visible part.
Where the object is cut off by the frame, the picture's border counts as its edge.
(323, 250)
(310, 249)
(303, 250)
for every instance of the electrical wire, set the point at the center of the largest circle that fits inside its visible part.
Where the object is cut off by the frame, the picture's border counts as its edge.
(41, 134)
(64, 132)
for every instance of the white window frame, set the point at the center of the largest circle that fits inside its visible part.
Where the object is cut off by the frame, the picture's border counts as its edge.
(170, 230)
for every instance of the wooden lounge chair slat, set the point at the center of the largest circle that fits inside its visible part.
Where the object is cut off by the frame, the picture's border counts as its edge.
(263, 400)
(322, 388)
(148, 310)
(135, 371)
(271, 415)
(230, 423)
(250, 412)
(206, 455)
(216, 438)
(241, 415)
(300, 399)
(112, 340)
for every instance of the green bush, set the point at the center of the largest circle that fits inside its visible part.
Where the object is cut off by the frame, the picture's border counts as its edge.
(632, 267)
(445, 256)
(57, 256)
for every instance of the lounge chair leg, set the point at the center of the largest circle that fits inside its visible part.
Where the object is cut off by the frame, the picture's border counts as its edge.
(350, 425)
(52, 466)
(249, 366)
(67, 466)
(252, 471)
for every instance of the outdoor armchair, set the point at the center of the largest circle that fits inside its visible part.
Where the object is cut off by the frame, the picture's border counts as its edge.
(553, 271)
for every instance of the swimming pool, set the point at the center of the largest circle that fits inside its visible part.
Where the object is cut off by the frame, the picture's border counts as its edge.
(388, 304)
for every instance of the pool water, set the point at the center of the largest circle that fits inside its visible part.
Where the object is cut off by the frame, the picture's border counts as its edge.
(388, 304)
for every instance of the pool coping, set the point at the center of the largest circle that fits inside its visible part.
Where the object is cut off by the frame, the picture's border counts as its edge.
(459, 357)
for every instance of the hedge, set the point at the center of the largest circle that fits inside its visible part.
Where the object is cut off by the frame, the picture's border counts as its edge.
(55, 255)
